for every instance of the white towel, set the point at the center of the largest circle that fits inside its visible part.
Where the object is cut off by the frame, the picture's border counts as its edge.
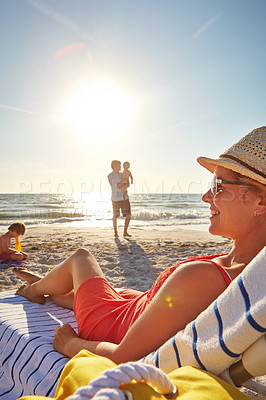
(225, 330)
(29, 365)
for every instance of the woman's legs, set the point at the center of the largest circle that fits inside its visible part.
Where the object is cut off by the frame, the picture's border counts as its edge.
(64, 278)
(26, 275)
(64, 300)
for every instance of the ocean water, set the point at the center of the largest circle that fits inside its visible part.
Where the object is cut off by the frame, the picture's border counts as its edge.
(149, 211)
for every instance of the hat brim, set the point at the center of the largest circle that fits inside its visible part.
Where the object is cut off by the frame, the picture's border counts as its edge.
(210, 164)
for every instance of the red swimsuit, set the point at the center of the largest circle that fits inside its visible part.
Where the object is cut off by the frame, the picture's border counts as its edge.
(103, 314)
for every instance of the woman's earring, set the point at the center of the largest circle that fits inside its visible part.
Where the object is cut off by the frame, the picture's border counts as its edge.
(255, 213)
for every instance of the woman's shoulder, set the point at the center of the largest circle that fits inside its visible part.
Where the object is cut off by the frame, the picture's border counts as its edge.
(207, 268)
(211, 266)
(200, 264)
(203, 257)
(194, 260)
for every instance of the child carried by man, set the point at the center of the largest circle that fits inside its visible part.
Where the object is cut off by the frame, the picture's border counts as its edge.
(126, 174)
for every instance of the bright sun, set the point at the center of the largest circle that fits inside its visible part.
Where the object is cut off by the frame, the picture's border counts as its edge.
(98, 110)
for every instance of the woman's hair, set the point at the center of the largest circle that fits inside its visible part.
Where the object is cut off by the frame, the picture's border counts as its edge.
(18, 227)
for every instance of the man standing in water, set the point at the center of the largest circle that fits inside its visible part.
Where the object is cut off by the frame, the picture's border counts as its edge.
(120, 200)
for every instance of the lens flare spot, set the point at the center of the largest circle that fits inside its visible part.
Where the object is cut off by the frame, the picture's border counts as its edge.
(169, 301)
(71, 48)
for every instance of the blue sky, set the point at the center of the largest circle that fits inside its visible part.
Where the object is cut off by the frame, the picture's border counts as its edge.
(154, 82)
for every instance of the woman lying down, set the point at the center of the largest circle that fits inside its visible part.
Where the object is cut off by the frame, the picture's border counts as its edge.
(127, 325)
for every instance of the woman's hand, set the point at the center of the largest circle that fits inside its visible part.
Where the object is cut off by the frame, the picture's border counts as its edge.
(64, 336)
(68, 343)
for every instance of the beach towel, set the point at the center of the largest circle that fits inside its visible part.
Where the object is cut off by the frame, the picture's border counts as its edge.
(221, 333)
(28, 362)
(87, 376)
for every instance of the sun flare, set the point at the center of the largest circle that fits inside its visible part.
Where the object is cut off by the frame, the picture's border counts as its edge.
(98, 110)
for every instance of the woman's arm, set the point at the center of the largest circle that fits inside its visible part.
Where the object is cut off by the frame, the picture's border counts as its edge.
(187, 292)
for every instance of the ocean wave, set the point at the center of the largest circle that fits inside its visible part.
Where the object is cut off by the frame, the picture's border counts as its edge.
(147, 210)
(153, 215)
(67, 220)
(41, 215)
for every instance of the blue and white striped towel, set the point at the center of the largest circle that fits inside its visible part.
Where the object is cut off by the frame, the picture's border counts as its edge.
(28, 362)
(225, 330)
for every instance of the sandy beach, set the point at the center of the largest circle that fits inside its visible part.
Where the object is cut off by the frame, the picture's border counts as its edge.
(134, 262)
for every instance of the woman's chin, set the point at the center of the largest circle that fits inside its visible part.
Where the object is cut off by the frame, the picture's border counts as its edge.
(213, 230)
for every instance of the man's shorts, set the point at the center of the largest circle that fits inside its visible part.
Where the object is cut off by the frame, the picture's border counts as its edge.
(124, 205)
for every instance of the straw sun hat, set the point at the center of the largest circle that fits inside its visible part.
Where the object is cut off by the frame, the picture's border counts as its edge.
(247, 157)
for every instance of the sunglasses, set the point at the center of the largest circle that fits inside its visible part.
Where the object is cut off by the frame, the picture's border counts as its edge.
(216, 184)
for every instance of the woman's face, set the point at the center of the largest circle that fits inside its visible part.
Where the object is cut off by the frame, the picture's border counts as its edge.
(232, 208)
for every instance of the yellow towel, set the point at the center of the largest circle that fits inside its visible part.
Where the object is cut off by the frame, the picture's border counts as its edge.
(193, 384)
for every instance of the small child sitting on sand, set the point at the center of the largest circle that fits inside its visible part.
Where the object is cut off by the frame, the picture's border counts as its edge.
(126, 174)
(6, 253)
